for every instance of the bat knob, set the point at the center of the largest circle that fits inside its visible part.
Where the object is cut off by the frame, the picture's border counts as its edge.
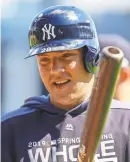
(113, 52)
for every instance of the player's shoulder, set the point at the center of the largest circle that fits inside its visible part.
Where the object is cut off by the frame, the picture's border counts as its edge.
(118, 105)
(28, 110)
(20, 112)
(120, 111)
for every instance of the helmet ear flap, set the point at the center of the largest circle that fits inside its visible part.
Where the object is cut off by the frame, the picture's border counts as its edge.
(90, 59)
(96, 60)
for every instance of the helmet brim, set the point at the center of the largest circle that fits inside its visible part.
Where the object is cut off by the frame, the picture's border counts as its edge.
(60, 45)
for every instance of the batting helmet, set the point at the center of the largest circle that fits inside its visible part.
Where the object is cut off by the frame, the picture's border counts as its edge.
(60, 28)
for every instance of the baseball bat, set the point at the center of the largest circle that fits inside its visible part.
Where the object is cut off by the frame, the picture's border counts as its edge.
(99, 103)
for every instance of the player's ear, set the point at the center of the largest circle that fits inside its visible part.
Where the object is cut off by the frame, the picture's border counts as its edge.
(124, 74)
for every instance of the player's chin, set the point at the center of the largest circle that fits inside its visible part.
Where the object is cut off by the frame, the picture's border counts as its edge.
(69, 97)
(62, 97)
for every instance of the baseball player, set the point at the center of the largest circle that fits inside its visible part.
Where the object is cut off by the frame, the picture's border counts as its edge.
(122, 92)
(48, 128)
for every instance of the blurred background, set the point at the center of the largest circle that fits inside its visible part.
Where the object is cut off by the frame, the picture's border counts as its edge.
(20, 77)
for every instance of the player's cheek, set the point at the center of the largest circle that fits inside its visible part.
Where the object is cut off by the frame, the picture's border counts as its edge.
(72, 65)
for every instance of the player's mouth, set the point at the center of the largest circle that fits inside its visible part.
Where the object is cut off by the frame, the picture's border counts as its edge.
(61, 84)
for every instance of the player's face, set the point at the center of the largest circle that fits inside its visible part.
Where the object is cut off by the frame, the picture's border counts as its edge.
(65, 77)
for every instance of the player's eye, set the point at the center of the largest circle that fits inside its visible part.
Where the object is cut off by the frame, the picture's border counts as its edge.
(44, 60)
(68, 55)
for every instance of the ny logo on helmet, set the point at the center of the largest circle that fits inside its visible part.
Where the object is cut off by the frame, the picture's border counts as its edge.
(48, 31)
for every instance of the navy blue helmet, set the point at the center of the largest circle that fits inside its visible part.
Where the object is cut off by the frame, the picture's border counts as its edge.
(59, 28)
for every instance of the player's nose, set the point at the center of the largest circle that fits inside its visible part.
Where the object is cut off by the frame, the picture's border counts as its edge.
(57, 66)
